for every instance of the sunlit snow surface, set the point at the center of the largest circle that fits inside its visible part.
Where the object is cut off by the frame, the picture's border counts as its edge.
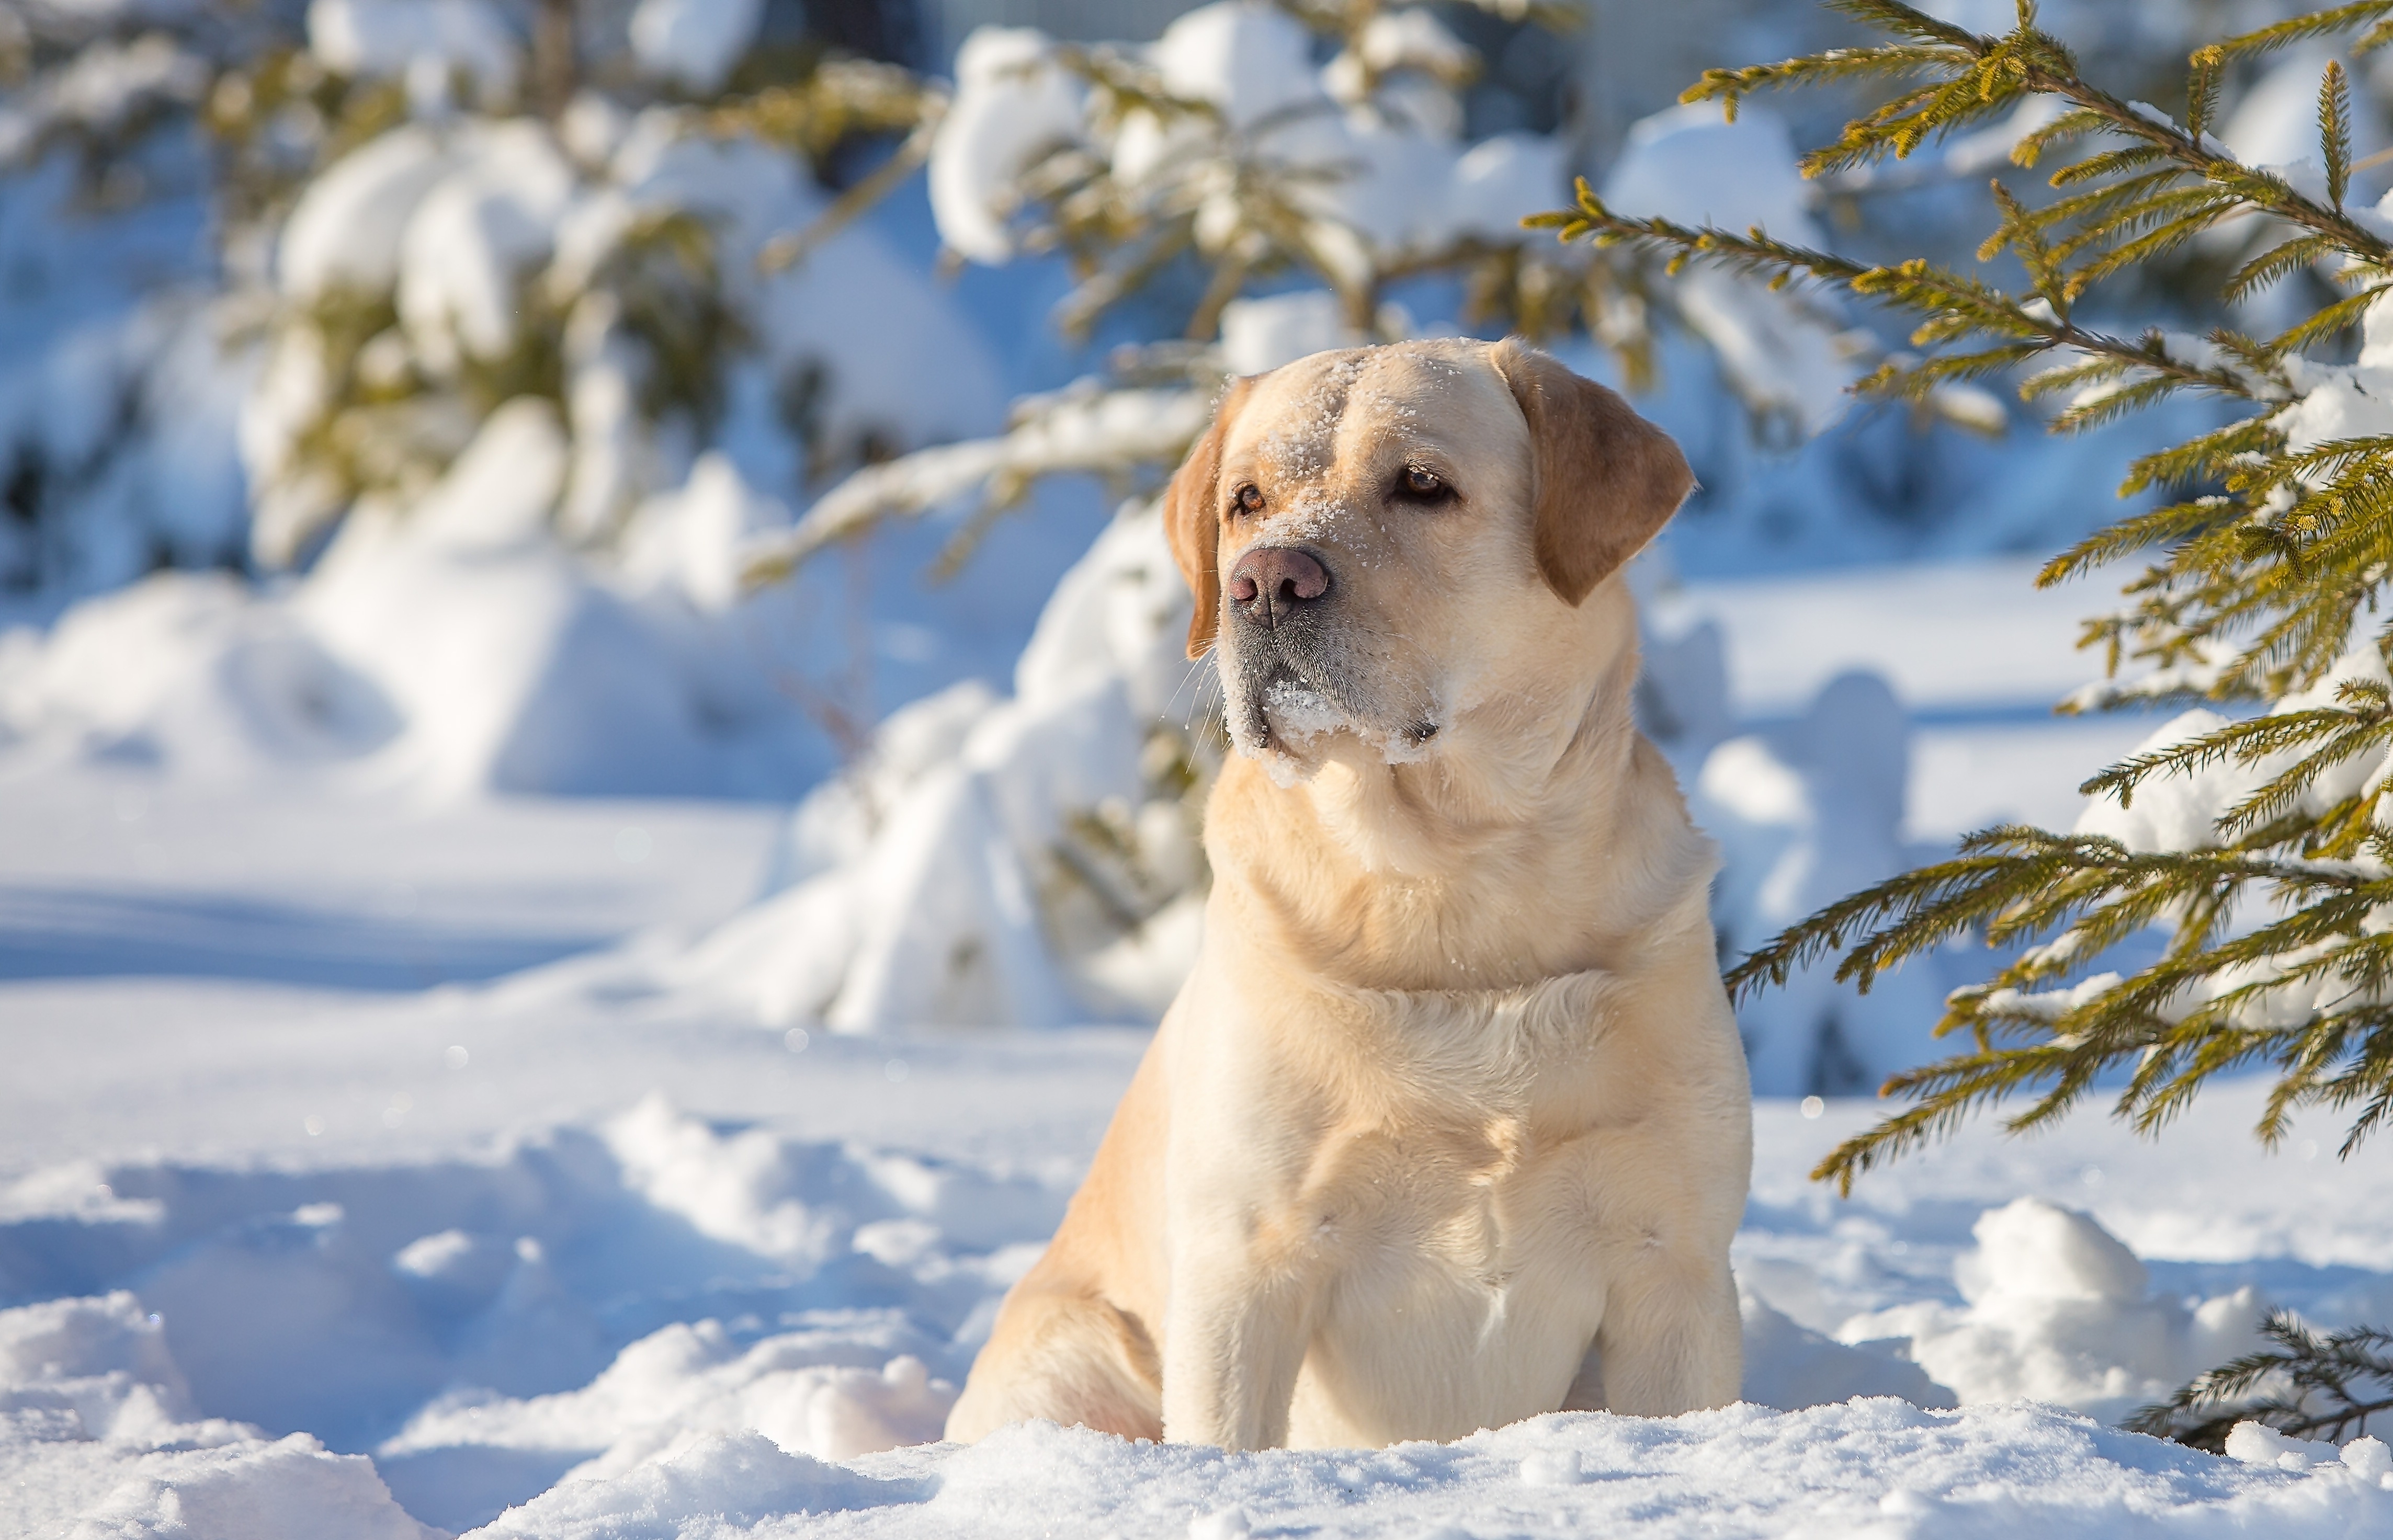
(327, 1208)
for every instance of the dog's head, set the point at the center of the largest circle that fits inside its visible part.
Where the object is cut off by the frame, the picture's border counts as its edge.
(1388, 542)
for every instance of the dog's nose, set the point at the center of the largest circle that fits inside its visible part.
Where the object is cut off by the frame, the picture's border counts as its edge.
(1271, 580)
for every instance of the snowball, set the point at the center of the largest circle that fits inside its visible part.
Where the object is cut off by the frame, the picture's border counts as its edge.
(2258, 1443)
(2060, 1312)
(2035, 1250)
(1551, 1468)
(2368, 1458)
(693, 42)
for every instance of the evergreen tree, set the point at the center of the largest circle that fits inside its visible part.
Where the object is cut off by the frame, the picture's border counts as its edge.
(2261, 847)
(1180, 203)
(363, 106)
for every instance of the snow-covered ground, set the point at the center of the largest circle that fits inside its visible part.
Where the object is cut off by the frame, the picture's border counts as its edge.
(335, 1200)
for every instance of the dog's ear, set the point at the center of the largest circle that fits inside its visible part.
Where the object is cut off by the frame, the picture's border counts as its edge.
(1604, 480)
(1192, 519)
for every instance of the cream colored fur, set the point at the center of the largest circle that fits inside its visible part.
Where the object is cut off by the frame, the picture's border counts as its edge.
(1449, 1126)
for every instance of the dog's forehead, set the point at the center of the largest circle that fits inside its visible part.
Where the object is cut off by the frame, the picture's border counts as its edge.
(1307, 417)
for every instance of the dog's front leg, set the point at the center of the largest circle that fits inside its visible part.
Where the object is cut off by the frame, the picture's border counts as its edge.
(1672, 1339)
(1240, 1319)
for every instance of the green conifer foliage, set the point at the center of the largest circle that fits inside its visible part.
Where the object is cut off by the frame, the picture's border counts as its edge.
(2252, 591)
(2307, 1383)
(2262, 573)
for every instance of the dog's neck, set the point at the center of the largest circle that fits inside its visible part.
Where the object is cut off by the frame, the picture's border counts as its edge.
(1417, 875)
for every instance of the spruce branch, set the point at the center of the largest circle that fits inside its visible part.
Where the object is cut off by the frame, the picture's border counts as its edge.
(2334, 130)
(2304, 1384)
(2271, 879)
(1954, 304)
(2299, 28)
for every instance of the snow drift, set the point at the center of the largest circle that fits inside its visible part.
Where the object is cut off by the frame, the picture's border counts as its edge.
(662, 1327)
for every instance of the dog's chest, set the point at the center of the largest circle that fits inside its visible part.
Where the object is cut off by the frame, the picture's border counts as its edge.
(1476, 1209)
(1478, 1159)
(1466, 1293)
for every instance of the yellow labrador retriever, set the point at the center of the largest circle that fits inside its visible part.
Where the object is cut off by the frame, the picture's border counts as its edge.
(1450, 1126)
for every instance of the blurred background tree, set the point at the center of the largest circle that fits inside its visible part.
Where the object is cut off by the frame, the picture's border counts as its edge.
(492, 352)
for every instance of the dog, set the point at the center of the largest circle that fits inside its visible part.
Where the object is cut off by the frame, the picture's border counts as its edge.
(1450, 1124)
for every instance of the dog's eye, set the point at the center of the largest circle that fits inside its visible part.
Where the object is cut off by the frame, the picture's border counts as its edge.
(1247, 499)
(1420, 484)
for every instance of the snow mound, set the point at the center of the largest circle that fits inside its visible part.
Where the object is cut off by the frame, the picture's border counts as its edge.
(715, 1484)
(290, 1489)
(665, 1390)
(185, 666)
(1805, 816)
(98, 1440)
(1024, 861)
(1875, 1468)
(590, 1302)
(661, 1326)
(802, 1204)
(453, 647)
(2058, 1311)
